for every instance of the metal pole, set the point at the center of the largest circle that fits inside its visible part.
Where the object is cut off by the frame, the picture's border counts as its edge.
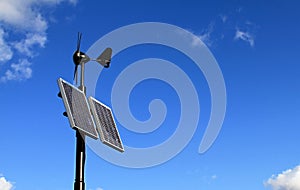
(80, 147)
(82, 87)
(80, 162)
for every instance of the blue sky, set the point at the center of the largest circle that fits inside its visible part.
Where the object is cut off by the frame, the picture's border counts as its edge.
(256, 45)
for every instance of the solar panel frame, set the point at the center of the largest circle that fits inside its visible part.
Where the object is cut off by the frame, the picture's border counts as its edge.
(111, 133)
(84, 117)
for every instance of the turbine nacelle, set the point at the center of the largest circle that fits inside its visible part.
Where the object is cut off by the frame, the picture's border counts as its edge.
(80, 57)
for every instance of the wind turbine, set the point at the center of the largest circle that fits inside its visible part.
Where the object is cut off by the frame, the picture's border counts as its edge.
(80, 58)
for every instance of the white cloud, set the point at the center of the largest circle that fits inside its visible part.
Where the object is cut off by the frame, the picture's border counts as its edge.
(20, 71)
(5, 50)
(287, 180)
(196, 41)
(218, 29)
(223, 18)
(244, 36)
(225, 26)
(99, 188)
(25, 23)
(4, 184)
(205, 36)
(74, 2)
(25, 46)
(213, 177)
(22, 15)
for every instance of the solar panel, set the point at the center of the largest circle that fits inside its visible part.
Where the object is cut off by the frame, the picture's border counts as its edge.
(77, 108)
(106, 125)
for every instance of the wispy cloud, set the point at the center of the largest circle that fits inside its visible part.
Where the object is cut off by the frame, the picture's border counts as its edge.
(99, 188)
(20, 14)
(213, 177)
(244, 36)
(287, 180)
(5, 50)
(231, 26)
(205, 35)
(208, 36)
(23, 29)
(18, 71)
(4, 184)
(25, 46)
(224, 18)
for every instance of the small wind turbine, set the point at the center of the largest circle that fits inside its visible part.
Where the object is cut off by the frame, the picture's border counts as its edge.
(80, 58)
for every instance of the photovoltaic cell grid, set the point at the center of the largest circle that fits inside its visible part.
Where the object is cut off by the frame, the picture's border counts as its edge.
(106, 125)
(77, 109)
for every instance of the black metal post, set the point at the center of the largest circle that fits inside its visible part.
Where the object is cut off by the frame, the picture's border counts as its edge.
(80, 147)
(80, 162)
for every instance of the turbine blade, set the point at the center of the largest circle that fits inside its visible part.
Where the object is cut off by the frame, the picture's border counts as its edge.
(75, 71)
(79, 41)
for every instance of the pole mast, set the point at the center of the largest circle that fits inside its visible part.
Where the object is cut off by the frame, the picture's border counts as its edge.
(79, 183)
